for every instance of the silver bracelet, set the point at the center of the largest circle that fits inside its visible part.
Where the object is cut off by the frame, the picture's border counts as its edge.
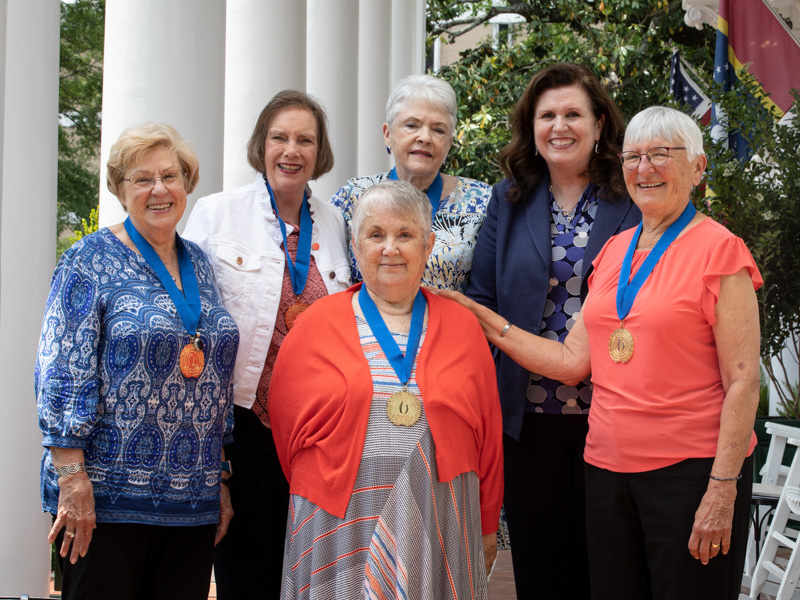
(505, 329)
(70, 469)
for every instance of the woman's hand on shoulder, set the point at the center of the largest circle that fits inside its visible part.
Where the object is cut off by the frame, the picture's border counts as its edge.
(451, 295)
(486, 317)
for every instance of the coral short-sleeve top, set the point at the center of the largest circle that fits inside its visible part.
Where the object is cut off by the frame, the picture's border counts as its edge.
(664, 405)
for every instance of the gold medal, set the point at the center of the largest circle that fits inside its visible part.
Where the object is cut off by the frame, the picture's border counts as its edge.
(192, 359)
(403, 408)
(293, 312)
(620, 344)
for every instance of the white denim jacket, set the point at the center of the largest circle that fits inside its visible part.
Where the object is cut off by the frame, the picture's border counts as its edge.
(241, 236)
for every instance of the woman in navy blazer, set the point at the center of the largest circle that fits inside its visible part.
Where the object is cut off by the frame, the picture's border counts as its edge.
(563, 197)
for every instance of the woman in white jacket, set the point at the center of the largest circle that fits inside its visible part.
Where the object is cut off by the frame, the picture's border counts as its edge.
(248, 234)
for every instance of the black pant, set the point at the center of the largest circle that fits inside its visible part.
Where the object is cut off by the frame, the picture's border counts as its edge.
(129, 561)
(248, 561)
(639, 526)
(544, 503)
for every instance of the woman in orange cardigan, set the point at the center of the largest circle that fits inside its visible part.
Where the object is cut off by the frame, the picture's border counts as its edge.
(386, 420)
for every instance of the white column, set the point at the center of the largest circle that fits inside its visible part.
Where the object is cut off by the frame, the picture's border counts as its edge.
(29, 32)
(265, 52)
(374, 84)
(332, 77)
(408, 38)
(164, 61)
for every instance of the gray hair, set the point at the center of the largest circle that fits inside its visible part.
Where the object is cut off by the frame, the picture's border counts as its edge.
(400, 197)
(422, 87)
(668, 124)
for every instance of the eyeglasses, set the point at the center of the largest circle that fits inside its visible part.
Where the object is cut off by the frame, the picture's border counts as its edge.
(145, 184)
(657, 156)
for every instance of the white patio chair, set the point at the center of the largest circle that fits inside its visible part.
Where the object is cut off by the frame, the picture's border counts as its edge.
(767, 492)
(779, 535)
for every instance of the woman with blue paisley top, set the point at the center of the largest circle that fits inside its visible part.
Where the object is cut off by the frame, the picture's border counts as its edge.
(563, 197)
(133, 385)
(419, 130)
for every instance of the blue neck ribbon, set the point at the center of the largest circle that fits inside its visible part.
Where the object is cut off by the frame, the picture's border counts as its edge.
(434, 192)
(626, 293)
(402, 365)
(298, 268)
(188, 302)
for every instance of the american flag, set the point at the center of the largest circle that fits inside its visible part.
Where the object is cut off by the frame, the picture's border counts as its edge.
(686, 91)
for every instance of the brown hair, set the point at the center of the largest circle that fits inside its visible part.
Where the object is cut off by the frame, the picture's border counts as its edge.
(281, 101)
(135, 141)
(525, 168)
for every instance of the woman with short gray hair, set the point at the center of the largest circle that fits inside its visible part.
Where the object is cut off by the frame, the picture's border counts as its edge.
(393, 455)
(419, 130)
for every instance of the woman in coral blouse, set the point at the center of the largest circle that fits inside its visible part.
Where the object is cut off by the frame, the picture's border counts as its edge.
(670, 334)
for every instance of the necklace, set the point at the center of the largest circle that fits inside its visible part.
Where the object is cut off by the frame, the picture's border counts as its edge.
(567, 214)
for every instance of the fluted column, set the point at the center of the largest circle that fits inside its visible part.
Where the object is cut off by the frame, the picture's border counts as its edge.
(28, 183)
(408, 38)
(332, 76)
(164, 61)
(265, 52)
(374, 84)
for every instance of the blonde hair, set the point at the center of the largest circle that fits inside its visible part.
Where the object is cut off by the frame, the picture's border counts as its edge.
(135, 141)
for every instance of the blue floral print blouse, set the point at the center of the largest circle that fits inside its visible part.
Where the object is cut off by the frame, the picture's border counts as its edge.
(107, 381)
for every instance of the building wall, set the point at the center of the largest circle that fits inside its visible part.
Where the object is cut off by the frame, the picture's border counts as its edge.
(449, 52)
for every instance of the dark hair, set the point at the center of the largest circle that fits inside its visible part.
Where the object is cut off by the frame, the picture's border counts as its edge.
(525, 168)
(281, 101)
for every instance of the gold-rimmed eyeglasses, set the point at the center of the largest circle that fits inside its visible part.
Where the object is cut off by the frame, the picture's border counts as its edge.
(145, 184)
(656, 156)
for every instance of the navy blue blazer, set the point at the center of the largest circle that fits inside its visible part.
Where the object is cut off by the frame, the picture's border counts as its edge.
(511, 270)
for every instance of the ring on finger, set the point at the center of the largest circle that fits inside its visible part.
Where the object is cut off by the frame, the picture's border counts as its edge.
(70, 534)
(715, 545)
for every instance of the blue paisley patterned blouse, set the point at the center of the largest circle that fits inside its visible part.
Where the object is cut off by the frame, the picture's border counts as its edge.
(456, 226)
(107, 381)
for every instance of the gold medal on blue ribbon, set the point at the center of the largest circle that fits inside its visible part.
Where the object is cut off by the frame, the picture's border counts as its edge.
(192, 360)
(620, 344)
(403, 408)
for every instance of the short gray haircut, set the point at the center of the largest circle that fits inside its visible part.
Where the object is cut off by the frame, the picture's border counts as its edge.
(400, 197)
(670, 125)
(422, 87)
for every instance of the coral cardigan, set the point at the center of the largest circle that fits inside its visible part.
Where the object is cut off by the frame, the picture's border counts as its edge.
(321, 392)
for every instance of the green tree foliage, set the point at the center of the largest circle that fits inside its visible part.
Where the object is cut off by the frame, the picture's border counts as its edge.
(79, 105)
(627, 43)
(758, 202)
